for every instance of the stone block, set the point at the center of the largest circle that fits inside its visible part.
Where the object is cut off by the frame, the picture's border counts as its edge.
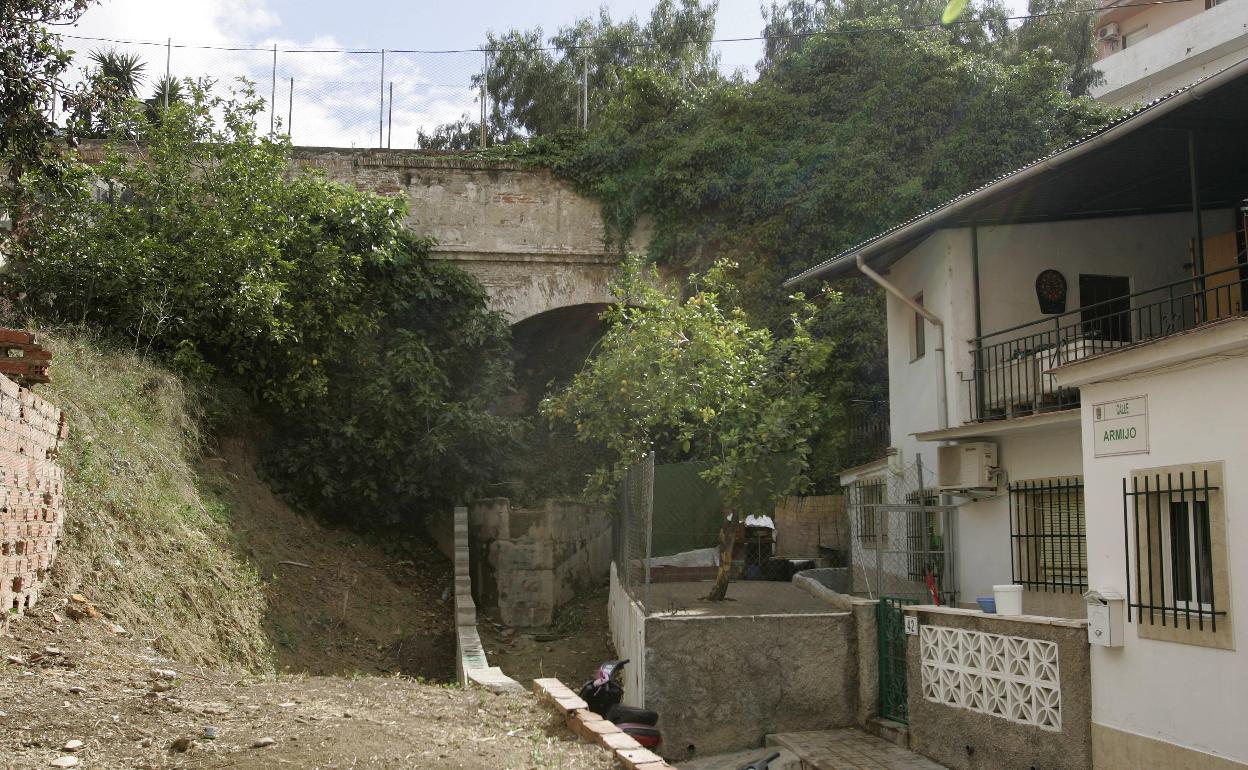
(618, 741)
(638, 758)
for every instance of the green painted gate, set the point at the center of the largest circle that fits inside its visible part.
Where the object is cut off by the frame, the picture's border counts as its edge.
(891, 635)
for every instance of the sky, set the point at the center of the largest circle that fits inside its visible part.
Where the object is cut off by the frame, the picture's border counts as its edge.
(343, 99)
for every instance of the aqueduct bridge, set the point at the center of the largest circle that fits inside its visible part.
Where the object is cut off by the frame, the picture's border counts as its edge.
(529, 238)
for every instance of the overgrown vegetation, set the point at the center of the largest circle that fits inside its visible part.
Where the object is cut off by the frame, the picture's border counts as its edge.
(143, 536)
(375, 364)
(855, 123)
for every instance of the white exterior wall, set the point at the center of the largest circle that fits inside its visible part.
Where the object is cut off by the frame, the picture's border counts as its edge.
(983, 537)
(1150, 250)
(1191, 696)
(1179, 52)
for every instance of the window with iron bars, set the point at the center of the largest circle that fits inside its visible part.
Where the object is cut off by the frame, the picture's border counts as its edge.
(925, 541)
(1175, 530)
(1047, 535)
(866, 496)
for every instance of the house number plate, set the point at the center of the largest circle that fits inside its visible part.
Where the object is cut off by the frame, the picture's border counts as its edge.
(1120, 427)
(912, 625)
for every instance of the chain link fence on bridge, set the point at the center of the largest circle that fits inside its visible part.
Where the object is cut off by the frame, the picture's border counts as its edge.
(332, 98)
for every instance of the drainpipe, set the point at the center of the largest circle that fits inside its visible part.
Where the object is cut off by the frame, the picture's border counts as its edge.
(941, 394)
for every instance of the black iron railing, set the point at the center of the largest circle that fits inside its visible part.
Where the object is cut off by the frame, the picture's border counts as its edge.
(1047, 533)
(1010, 377)
(1174, 557)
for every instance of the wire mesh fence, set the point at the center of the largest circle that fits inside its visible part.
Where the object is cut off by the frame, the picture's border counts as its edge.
(901, 537)
(668, 526)
(333, 98)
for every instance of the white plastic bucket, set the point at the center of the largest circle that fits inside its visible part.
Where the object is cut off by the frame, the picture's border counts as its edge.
(1009, 599)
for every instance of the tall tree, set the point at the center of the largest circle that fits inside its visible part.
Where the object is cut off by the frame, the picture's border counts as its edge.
(31, 64)
(535, 84)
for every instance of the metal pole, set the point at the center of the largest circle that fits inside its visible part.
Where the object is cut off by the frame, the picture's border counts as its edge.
(168, 60)
(290, 108)
(381, 113)
(485, 73)
(585, 93)
(390, 117)
(1198, 248)
(273, 95)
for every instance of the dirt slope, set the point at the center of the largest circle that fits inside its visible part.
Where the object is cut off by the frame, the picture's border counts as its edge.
(336, 604)
(107, 692)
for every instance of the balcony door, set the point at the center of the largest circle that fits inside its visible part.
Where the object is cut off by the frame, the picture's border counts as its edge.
(1106, 304)
(1223, 293)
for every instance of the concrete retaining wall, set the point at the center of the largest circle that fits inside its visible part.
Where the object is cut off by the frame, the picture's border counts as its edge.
(527, 563)
(963, 738)
(723, 683)
(32, 487)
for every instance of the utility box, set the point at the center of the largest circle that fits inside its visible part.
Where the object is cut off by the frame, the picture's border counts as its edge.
(1105, 617)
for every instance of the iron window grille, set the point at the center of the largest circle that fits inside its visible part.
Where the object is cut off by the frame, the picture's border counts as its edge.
(1047, 535)
(1167, 517)
(867, 496)
(924, 537)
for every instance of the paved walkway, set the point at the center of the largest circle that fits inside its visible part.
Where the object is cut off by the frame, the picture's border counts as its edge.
(849, 749)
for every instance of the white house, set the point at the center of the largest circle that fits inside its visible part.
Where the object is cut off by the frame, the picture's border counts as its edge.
(1146, 50)
(1065, 347)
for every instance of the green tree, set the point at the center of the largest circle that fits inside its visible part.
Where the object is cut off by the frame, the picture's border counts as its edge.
(31, 64)
(376, 364)
(692, 379)
(534, 84)
(836, 141)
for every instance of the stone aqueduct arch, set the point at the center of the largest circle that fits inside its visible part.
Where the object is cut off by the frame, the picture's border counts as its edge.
(533, 242)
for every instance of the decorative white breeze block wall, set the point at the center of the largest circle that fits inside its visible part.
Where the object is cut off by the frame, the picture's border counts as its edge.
(1003, 676)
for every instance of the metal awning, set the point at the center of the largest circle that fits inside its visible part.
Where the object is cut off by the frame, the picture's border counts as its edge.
(1136, 165)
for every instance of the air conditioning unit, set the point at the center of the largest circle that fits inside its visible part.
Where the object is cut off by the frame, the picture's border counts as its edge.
(1109, 32)
(969, 466)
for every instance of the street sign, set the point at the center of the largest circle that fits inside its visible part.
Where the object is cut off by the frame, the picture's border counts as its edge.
(1120, 427)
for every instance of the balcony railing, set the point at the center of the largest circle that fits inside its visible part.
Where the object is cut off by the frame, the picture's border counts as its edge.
(867, 430)
(1010, 376)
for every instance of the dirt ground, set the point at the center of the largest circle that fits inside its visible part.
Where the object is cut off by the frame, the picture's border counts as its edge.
(577, 641)
(337, 604)
(63, 680)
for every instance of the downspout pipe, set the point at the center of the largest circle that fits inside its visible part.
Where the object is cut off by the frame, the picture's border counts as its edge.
(942, 396)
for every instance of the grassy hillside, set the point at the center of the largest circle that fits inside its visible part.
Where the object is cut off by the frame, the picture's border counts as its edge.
(175, 535)
(145, 538)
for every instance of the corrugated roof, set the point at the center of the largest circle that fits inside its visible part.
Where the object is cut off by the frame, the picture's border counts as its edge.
(909, 232)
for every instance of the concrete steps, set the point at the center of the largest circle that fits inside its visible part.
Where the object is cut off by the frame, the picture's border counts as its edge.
(848, 748)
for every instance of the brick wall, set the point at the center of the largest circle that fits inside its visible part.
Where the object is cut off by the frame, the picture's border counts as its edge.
(32, 495)
(803, 524)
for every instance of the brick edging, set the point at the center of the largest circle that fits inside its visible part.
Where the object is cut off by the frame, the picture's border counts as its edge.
(592, 728)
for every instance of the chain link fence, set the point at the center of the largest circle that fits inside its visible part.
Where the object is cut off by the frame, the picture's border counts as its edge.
(331, 98)
(901, 537)
(668, 525)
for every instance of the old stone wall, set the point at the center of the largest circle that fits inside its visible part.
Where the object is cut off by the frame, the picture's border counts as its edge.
(999, 692)
(805, 524)
(533, 242)
(32, 489)
(528, 562)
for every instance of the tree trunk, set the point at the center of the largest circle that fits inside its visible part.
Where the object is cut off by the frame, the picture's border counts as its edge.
(727, 540)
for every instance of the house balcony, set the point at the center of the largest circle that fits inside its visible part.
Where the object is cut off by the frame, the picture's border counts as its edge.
(1012, 377)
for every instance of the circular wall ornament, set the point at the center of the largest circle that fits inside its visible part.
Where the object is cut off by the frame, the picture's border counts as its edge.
(1051, 291)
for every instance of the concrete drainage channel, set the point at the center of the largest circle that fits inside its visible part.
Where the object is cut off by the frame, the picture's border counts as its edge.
(472, 665)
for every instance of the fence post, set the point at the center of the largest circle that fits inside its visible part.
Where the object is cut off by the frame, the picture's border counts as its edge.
(585, 93)
(381, 109)
(168, 62)
(649, 521)
(390, 117)
(290, 112)
(273, 96)
(485, 74)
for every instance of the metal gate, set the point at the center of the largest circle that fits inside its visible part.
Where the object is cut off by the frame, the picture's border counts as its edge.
(891, 633)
